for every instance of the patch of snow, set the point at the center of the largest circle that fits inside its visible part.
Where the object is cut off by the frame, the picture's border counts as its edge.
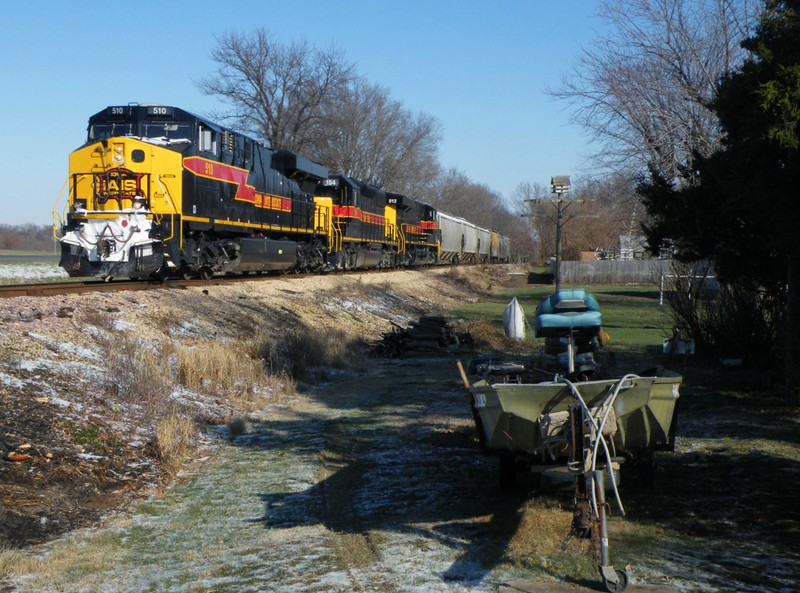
(121, 325)
(66, 347)
(11, 381)
(61, 403)
(29, 365)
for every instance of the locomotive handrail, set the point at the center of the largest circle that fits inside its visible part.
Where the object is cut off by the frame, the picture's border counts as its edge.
(402, 246)
(172, 209)
(335, 244)
(58, 218)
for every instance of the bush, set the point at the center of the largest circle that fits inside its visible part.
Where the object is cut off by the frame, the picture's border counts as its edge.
(735, 321)
(138, 375)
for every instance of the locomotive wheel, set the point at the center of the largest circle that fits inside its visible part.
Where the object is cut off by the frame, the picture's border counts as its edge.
(161, 273)
(206, 273)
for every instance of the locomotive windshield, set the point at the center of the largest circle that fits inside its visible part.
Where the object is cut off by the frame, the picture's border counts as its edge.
(157, 123)
(103, 131)
(167, 131)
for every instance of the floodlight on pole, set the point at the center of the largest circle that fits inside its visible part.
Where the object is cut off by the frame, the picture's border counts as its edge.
(559, 184)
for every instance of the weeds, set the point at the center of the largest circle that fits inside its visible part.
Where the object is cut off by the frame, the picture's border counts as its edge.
(239, 426)
(218, 367)
(137, 375)
(175, 438)
(295, 352)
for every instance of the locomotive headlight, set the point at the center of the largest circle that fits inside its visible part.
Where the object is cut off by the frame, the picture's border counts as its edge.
(118, 156)
(80, 204)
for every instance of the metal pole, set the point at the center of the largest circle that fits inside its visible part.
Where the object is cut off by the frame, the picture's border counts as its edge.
(558, 245)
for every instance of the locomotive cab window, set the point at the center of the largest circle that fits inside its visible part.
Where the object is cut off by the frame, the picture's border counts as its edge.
(109, 130)
(169, 130)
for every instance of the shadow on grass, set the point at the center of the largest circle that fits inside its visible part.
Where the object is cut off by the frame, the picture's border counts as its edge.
(391, 462)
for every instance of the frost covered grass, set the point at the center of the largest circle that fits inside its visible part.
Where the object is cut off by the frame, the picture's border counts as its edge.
(22, 272)
(346, 490)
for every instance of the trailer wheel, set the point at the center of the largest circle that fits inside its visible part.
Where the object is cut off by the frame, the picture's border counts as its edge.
(620, 585)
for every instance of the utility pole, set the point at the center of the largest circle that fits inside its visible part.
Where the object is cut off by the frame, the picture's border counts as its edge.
(559, 185)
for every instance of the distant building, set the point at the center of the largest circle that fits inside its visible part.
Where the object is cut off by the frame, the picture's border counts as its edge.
(632, 247)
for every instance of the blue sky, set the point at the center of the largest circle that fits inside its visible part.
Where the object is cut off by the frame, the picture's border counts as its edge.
(480, 67)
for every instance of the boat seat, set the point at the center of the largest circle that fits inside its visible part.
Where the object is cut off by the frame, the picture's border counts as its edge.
(568, 312)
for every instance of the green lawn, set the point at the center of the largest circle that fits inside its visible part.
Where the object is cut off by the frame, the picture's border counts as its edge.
(631, 314)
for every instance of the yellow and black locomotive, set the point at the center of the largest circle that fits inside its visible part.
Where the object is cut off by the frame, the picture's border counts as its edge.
(157, 191)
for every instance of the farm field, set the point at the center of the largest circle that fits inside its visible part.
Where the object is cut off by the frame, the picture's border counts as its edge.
(368, 477)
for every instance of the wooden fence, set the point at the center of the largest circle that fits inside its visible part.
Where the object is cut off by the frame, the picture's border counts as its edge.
(614, 271)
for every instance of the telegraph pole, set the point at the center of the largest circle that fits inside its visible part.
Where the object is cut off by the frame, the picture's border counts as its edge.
(559, 185)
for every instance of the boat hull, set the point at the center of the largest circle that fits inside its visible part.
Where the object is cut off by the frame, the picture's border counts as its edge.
(533, 418)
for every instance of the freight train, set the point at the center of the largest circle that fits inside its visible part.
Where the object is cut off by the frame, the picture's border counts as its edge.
(157, 191)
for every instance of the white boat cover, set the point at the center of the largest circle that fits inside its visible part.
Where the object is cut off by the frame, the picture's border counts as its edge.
(514, 320)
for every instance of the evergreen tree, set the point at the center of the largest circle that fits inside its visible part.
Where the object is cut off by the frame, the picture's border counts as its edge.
(743, 212)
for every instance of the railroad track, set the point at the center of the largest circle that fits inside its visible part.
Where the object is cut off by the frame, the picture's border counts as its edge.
(57, 288)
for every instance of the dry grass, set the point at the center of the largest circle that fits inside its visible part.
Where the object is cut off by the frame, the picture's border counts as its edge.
(296, 351)
(222, 368)
(488, 336)
(175, 438)
(544, 526)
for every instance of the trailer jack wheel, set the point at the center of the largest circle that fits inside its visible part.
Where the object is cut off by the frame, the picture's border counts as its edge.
(614, 580)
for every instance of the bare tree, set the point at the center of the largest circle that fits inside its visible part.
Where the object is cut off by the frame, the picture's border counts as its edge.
(276, 92)
(457, 195)
(369, 135)
(310, 101)
(643, 89)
